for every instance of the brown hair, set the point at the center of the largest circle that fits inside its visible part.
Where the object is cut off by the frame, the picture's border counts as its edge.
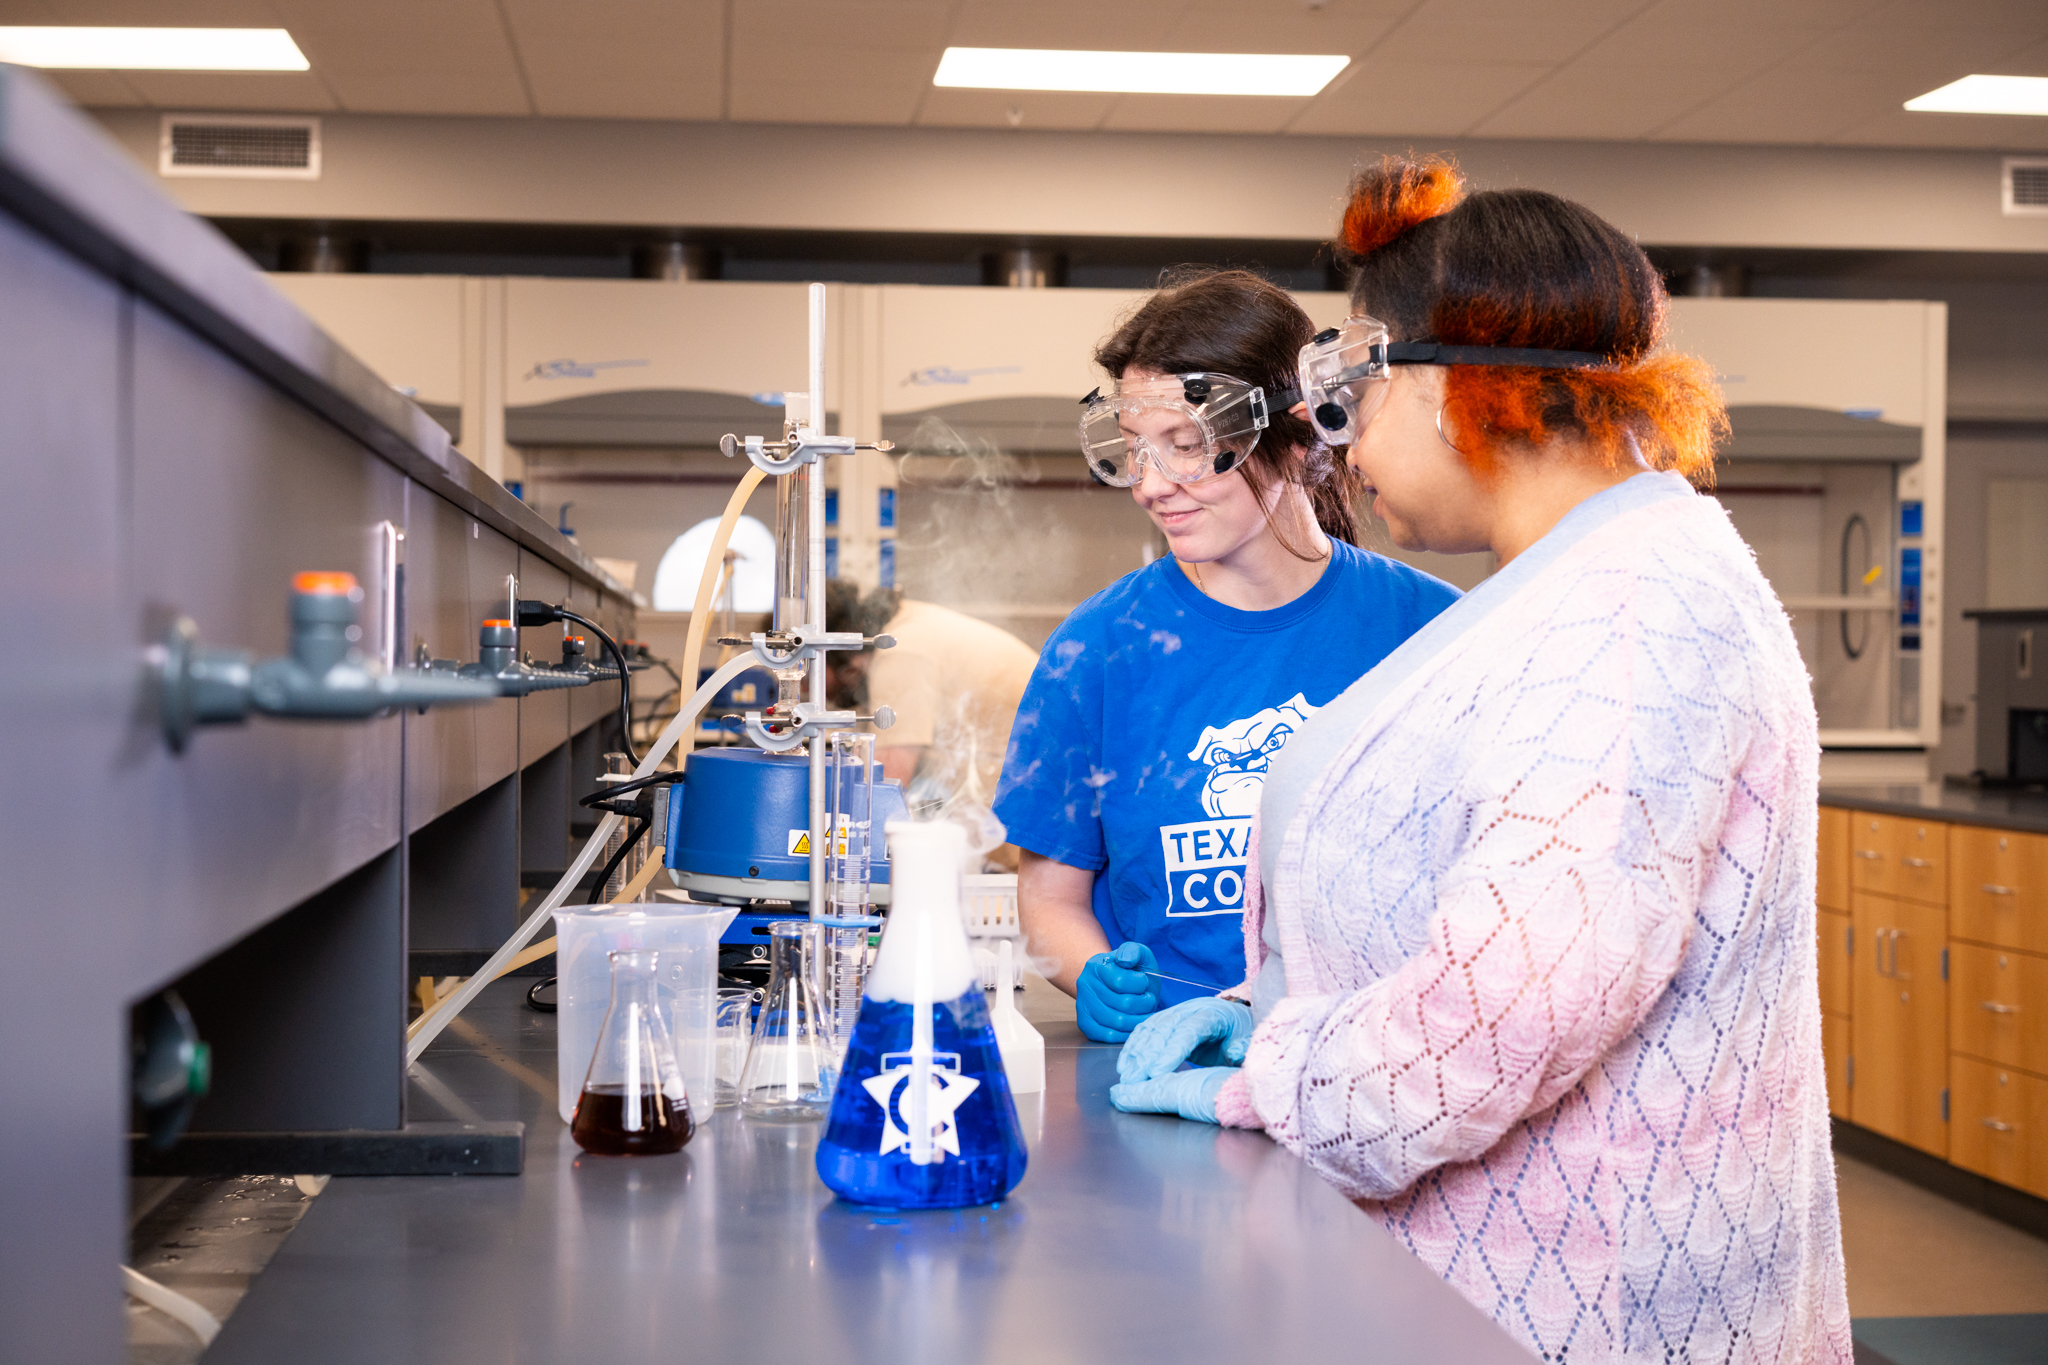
(1523, 268)
(1232, 322)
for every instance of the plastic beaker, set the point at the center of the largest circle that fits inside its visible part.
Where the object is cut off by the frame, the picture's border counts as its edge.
(686, 984)
(789, 1070)
(735, 1026)
(847, 914)
(632, 1102)
(922, 1117)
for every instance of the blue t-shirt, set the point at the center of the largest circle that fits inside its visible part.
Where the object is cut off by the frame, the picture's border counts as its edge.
(1140, 749)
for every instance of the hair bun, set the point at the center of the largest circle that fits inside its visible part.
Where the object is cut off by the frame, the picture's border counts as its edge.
(1394, 196)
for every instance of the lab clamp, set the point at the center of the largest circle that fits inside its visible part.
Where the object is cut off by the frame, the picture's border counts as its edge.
(749, 826)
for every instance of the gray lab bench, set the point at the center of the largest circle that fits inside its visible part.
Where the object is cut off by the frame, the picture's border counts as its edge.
(1132, 1238)
(177, 440)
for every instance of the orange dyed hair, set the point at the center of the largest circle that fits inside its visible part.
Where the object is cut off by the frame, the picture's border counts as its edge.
(1524, 268)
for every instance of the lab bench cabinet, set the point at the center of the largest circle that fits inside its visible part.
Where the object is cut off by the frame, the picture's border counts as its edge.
(179, 441)
(1934, 987)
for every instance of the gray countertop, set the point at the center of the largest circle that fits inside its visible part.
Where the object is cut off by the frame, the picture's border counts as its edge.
(60, 173)
(1132, 1238)
(2019, 810)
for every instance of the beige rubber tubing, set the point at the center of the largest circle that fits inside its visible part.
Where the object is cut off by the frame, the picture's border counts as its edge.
(626, 895)
(682, 729)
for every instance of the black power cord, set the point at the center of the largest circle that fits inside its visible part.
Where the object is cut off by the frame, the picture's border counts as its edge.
(536, 613)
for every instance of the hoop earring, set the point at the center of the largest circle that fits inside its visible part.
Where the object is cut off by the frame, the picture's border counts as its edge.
(1440, 431)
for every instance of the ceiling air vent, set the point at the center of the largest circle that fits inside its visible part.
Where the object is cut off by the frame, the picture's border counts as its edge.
(250, 146)
(2026, 186)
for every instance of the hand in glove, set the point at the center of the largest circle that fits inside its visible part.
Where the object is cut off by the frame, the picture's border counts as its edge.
(1207, 1032)
(1190, 1094)
(1113, 995)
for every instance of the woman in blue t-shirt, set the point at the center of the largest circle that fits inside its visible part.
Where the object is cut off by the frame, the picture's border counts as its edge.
(1140, 748)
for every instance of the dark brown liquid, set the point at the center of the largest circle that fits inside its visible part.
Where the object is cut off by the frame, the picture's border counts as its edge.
(600, 1123)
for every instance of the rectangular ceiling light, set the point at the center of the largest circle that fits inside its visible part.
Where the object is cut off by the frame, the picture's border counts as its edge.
(152, 49)
(1986, 95)
(1136, 73)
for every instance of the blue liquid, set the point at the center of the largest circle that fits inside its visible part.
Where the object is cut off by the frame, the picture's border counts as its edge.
(851, 1159)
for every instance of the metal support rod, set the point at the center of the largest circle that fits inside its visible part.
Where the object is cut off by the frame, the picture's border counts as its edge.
(815, 590)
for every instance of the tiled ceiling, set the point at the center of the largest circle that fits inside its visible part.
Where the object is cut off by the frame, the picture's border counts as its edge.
(1737, 71)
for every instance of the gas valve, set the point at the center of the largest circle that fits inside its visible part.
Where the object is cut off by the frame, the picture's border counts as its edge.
(325, 677)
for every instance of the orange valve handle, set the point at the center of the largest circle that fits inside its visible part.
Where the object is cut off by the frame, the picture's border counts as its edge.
(324, 583)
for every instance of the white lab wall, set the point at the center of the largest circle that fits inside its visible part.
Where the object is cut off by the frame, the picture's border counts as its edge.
(2016, 543)
(408, 328)
(994, 515)
(1978, 460)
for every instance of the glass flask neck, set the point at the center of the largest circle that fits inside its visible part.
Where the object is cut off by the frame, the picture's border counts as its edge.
(924, 955)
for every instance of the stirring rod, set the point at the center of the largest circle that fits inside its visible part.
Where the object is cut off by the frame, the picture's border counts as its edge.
(1185, 982)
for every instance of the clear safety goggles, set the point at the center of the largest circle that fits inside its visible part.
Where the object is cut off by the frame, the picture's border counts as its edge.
(1345, 370)
(1344, 374)
(1190, 427)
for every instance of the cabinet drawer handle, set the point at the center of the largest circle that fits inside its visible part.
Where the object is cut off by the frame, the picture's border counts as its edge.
(1993, 889)
(1916, 862)
(1870, 854)
(1993, 1007)
(1995, 1126)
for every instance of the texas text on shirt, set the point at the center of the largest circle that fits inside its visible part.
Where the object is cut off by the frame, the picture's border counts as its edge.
(1142, 744)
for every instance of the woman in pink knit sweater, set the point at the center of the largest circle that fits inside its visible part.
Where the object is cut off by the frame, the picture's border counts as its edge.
(1532, 947)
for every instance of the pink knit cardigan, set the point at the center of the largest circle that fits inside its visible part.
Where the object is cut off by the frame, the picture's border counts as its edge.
(1548, 923)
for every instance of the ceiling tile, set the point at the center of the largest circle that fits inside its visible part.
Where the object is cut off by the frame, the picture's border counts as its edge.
(1202, 114)
(1742, 16)
(1784, 106)
(1423, 99)
(1347, 26)
(1041, 109)
(1658, 39)
(150, 13)
(96, 89)
(1600, 101)
(404, 57)
(1936, 53)
(1128, 26)
(1492, 31)
(862, 24)
(264, 91)
(779, 83)
(2032, 61)
(2014, 17)
(657, 59)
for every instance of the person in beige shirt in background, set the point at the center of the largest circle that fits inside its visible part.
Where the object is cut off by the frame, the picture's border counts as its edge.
(954, 683)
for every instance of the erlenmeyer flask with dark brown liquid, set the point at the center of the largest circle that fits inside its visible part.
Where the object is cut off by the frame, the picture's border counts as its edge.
(633, 1102)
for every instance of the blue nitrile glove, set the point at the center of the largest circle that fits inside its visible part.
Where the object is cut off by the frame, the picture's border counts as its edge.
(1208, 1032)
(1191, 1094)
(1113, 995)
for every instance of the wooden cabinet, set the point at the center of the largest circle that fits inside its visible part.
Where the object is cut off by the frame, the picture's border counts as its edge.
(1895, 857)
(1998, 888)
(1837, 947)
(1871, 860)
(1834, 1047)
(1832, 893)
(1921, 848)
(2001, 1124)
(1899, 1020)
(1998, 1005)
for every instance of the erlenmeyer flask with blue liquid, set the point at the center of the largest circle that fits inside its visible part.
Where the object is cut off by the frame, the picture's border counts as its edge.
(922, 1117)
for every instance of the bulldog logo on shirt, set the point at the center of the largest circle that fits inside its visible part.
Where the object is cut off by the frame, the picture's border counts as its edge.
(1205, 860)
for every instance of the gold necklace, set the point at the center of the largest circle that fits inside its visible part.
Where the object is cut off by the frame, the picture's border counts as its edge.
(1196, 570)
